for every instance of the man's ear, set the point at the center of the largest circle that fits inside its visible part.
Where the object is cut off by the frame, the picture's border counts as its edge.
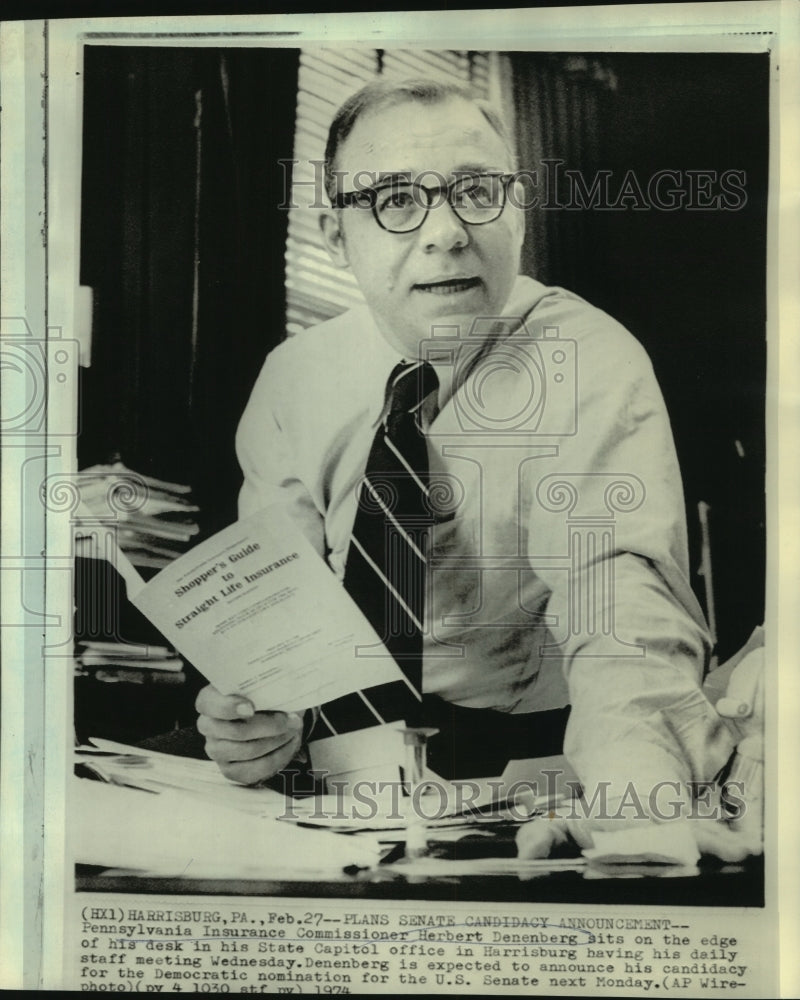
(333, 237)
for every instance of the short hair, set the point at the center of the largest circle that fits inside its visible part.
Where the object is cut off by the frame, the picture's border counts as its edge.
(386, 93)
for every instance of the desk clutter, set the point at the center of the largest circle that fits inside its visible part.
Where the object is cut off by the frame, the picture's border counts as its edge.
(167, 816)
(155, 519)
(121, 661)
(155, 815)
(130, 683)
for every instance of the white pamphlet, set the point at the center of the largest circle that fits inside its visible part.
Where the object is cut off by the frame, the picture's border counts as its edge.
(258, 612)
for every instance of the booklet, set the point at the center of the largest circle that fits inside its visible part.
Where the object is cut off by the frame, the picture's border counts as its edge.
(257, 610)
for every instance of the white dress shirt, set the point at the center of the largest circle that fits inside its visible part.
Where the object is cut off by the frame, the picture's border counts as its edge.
(559, 569)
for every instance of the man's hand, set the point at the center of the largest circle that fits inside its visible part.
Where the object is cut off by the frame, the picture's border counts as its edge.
(714, 838)
(248, 746)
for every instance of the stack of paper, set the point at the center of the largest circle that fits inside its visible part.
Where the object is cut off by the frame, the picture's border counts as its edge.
(521, 867)
(387, 811)
(156, 517)
(119, 661)
(152, 771)
(198, 824)
(181, 835)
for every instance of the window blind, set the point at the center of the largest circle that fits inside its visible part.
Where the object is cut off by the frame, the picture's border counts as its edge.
(315, 289)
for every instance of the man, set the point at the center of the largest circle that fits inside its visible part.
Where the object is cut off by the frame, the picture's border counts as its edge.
(557, 571)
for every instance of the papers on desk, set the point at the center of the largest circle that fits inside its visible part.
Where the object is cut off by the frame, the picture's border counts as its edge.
(198, 824)
(181, 835)
(390, 815)
(445, 868)
(151, 771)
(201, 825)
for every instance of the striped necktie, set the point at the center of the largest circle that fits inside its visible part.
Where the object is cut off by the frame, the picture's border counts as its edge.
(386, 566)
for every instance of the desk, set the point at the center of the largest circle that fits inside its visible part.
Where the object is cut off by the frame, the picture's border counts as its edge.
(144, 818)
(710, 885)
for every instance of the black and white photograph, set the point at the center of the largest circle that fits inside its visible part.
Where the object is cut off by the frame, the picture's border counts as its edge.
(396, 429)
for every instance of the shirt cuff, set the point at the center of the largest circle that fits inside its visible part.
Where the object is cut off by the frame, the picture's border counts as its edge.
(309, 721)
(638, 780)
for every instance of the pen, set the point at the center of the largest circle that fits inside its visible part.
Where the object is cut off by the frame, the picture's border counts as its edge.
(416, 741)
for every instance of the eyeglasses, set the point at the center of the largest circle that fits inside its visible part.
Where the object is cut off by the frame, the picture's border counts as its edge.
(402, 206)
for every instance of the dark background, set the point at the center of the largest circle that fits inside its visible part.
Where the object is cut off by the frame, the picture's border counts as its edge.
(181, 150)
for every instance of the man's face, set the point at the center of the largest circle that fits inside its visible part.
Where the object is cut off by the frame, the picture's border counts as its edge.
(446, 272)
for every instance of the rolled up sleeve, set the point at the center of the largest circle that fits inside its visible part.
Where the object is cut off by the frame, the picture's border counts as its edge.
(265, 459)
(629, 629)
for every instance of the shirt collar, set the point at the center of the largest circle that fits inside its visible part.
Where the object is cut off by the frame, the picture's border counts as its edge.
(434, 402)
(525, 293)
